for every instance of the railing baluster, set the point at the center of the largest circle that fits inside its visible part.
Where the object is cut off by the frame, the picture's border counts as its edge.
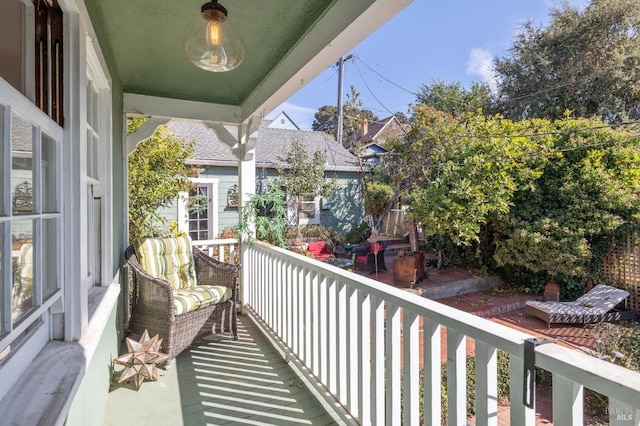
(323, 329)
(432, 346)
(332, 344)
(377, 361)
(486, 385)
(567, 401)
(365, 360)
(352, 351)
(520, 414)
(342, 342)
(392, 372)
(410, 368)
(315, 324)
(308, 303)
(456, 377)
(621, 414)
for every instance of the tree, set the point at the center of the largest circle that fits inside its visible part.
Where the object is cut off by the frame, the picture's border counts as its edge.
(404, 168)
(587, 62)
(588, 194)
(157, 173)
(326, 119)
(304, 177)
(453, 99)
(474, 172)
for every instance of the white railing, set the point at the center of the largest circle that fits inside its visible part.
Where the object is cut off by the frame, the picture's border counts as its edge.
(359, 342)
(225, 250)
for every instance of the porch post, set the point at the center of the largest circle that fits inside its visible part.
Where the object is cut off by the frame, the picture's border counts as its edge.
(244, 150)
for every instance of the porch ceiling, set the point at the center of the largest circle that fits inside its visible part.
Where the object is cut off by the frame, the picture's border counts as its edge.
(287, 43)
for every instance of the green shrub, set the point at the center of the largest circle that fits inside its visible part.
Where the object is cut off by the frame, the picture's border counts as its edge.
(357, 234)
(316, 231)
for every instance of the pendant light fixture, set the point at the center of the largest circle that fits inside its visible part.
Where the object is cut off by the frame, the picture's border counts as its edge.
(211, 42)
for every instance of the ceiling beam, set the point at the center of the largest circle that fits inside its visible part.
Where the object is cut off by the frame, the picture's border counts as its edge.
(177, 108)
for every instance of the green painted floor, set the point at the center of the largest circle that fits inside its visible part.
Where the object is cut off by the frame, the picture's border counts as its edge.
(219, 382)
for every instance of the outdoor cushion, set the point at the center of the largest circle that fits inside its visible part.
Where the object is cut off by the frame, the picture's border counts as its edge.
(373, 247)
(595, 306)
(319, 249)
(168, 258)
(188, 300)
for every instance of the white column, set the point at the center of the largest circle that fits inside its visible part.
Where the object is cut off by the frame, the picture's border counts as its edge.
(75, 311)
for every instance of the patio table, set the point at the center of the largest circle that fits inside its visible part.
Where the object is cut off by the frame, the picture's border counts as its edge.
(339, 262)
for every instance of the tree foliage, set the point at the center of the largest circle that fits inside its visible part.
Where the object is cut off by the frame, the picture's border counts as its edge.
(584, 61)
(305, 173)
(544, 196)
(157, 173)
(326, 119)
(588, 194)
(454, 99)
(377, 197)
(474, 174)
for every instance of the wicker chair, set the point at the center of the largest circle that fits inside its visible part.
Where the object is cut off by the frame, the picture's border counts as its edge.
(153, 305)
(369, 257)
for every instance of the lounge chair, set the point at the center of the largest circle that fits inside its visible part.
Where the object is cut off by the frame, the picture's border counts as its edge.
(602, 304)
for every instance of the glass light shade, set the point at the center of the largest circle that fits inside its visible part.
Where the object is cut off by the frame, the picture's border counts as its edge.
(211, 42)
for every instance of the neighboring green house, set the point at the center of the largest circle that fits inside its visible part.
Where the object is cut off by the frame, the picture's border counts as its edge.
(218, 179)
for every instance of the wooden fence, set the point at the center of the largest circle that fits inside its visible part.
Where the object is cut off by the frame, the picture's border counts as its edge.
(622, 266)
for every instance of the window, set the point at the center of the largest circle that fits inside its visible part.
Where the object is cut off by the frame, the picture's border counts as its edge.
(306, 209)
(198, 210)
(96, 148)
(48, 58)
(30, 219)
(31, 48)
(309, 210)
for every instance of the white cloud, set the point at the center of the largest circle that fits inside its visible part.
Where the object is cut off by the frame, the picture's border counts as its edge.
(301, 115)
(480, 64)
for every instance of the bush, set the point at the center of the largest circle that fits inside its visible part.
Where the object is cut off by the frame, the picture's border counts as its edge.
(357, 234)
(318, 232)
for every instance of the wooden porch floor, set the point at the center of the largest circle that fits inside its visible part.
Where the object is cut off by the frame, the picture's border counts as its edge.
(219, 382)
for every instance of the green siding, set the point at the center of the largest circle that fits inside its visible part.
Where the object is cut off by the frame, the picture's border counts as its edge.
(344, 208)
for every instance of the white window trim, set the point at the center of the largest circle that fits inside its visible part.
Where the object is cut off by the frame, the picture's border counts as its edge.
(102, 186)
(305, 220)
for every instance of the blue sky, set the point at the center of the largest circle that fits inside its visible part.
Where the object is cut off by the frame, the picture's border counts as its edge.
(451, 40)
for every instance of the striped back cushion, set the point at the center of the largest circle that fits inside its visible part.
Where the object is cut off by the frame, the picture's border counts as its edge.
(168, 258)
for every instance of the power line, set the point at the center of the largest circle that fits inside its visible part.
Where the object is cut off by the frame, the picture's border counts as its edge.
(385, 78)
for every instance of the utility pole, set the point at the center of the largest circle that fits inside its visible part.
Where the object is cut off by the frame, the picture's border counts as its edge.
(340, 82)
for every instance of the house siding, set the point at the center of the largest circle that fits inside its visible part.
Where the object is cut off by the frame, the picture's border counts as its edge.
(227, 177)
(340, 211)
(344, 208)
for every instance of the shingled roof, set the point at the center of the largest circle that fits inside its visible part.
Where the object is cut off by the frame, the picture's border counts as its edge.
(271, 146)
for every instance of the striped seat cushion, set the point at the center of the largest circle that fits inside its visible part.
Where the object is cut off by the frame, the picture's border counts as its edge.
(187, 300)
(168, 258)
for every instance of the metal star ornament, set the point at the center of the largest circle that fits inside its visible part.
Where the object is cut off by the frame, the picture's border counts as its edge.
(142, 359)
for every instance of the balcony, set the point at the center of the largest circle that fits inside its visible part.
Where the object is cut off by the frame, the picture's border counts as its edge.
(356, 351)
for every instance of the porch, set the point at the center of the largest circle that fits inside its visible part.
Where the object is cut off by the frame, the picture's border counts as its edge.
(220, 381)
(357, 345)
